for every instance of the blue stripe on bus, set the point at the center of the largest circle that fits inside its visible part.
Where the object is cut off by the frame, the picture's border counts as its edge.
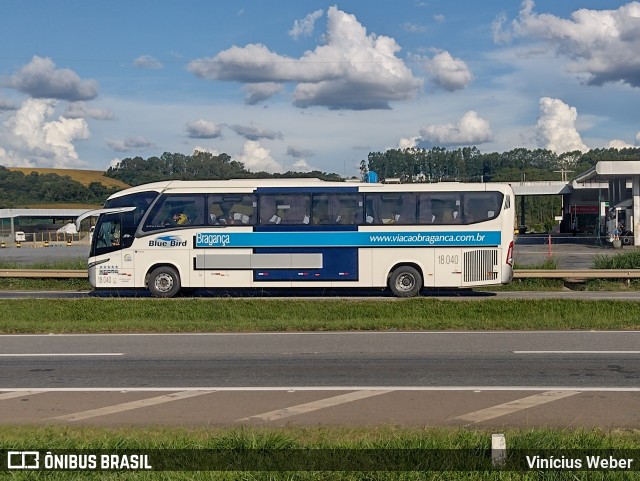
(348, 239)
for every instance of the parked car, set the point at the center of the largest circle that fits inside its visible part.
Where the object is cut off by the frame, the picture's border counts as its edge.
(20, 236)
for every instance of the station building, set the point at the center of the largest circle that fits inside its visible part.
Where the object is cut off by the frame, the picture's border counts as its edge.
(35, 223)
(610, 190)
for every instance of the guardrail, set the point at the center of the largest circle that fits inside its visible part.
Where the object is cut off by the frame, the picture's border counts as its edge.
(517, 274)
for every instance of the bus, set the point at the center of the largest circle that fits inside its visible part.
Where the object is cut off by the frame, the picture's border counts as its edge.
(286, 233)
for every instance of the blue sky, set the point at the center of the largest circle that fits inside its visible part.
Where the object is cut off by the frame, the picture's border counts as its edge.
(300, 85)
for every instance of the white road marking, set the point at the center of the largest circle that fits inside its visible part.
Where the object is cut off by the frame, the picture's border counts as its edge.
(313, 406)
(11, 395)
(576, 352)
(64, 354)
(322, 388)
(118, 408)
(325, 333)
(514, 406)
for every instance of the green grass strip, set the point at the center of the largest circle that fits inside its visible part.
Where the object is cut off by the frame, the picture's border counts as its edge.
(231, 315)
(383, 438)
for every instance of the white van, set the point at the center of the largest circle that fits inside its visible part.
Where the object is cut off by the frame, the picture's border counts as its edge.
(20, 236)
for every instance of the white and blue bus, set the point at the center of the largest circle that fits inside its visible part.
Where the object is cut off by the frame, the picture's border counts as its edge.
(282, 233)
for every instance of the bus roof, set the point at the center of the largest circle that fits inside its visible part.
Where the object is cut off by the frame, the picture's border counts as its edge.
(248, 185)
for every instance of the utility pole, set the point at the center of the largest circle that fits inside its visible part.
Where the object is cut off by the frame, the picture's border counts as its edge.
(564, 173)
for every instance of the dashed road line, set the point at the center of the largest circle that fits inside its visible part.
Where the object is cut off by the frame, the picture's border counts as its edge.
(514, 406)
(118, 408)
(15, 394)
(313, 406)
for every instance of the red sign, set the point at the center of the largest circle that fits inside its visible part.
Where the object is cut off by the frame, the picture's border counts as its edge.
(584, 209)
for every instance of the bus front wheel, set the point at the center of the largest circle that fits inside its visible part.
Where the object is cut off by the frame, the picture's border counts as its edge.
(405, 281)
(164, 282)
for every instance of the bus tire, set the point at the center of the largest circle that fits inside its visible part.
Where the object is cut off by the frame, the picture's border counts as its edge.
(405, 281)
(164, 282)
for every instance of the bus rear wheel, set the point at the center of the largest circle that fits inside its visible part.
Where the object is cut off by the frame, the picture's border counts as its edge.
(405, 281)
(164, 282)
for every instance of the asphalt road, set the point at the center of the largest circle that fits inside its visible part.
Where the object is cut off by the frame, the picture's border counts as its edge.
(363, 359)
(488, 380)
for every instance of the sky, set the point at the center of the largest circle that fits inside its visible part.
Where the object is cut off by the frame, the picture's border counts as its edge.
(308, 85)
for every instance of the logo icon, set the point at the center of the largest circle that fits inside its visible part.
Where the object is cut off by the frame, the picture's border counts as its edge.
(23, 460)
(168, 241)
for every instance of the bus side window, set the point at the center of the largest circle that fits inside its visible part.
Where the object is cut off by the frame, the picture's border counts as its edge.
(241, 214)
(373, 209)
(164, 210)
(268, 214)
(407, 214)
(320, 210)
(425, 214)
(215, 213)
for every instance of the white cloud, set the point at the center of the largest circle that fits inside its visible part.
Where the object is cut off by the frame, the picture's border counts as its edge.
(115, 162)
(439, 18)
(619, 144)
(448, 72)
(130, 144)
(203, 129)
(471, 129)
(41, 79)
(259, 92)
(600, 43)
(299, 152)
(6, 104)
(301, 166)
(31, 139)
(257, 159)
(148, 62)
(408, 142)
(79, 110)
(556, 129)
(254, 132)
(413, 28)
(352, 70)
(304, 27)
(207, 150)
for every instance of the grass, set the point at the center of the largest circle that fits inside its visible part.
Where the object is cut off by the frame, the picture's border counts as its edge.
(625, 260)
(548, 264)
(65, 264)
(85, 177)
(444, 447)
(108, 315)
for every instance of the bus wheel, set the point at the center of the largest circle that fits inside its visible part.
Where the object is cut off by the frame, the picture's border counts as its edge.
(164, 282)
(405, 281)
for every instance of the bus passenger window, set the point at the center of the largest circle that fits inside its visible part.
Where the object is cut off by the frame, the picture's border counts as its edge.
(231, 209)
(176, 210)
(337, 209)
(285, 209)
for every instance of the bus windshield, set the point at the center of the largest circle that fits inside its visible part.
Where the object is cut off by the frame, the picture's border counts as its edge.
(117, 230)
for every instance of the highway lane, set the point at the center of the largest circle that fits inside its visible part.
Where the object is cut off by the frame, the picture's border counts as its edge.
(577, 360)
(493, 380)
